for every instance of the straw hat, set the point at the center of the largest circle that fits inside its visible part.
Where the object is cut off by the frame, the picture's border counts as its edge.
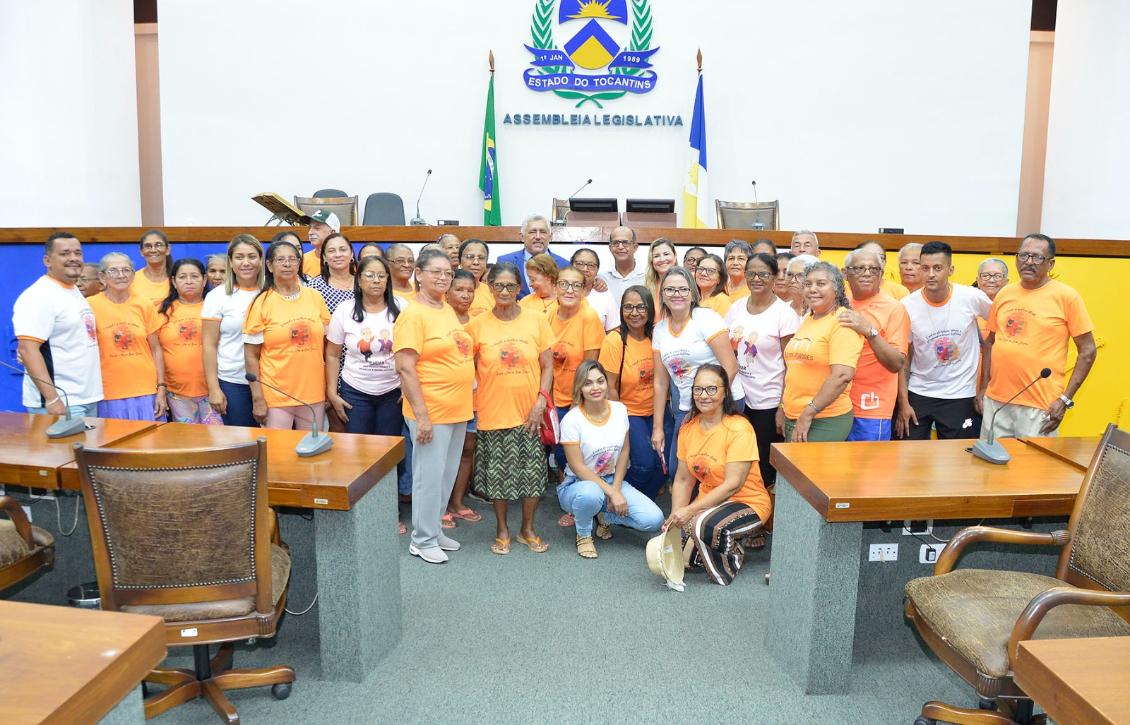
(665, 557)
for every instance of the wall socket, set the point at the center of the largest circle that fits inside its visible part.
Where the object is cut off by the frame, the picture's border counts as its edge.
(928, 553)
(920, 527)
(883, 552)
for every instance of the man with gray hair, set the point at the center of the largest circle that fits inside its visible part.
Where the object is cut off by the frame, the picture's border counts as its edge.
(910, 271)
(805, 242)
(894, 289)
(535, 240)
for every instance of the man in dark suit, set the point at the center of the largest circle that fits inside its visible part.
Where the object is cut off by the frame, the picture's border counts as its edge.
(535, 240)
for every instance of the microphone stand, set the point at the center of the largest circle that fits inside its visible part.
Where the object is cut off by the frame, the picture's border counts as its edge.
(418, 221)
(312, 443)
(66, 424)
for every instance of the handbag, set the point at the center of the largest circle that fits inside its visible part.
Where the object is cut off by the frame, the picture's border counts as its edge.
(550, 426)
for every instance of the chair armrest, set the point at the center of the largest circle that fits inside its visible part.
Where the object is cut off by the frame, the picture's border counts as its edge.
(16, 513)
(1044, 602)
(947, 560)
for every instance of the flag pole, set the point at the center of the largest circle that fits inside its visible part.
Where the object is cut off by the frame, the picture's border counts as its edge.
(490, 61)
(699, 62)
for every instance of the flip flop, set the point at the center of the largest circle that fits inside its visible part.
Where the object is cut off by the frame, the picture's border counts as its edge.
(500, 546)
(566, 521)
(467, 514)
(535, 543)
(447, 521)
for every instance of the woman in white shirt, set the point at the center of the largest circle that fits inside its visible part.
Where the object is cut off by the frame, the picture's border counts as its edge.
(594, 434)
(686, 337)
(222, 316)
(761, 325)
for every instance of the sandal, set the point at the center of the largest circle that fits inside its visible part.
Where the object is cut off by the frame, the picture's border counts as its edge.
(402, 529)
(566, 521)
(586, 549)
(467, 514)
(602, 531)
(756, 542)
(447, 521)
(535, 543)
(500, 546)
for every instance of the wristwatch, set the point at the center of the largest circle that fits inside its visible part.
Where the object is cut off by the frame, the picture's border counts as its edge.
(872, 334)
(1067, 402)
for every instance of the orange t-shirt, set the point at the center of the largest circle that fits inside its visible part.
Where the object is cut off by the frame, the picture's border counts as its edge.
(720, 303)
(128, 369)
(894, 289)
(638, 374)
(154, 292)
(484, 299)
(1032, 329)
(183, 350)
(311, 263)
(507, 366)
(706, 453)
(291, 356)
(445, 368)
(537, 304)
(581, 332)
(874, 389)
(817, 345)
(410, 295)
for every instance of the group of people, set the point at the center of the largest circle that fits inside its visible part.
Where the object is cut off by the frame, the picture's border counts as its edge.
(663, 376)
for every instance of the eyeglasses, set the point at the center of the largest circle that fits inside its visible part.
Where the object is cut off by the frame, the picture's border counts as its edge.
(440, 273)
(151, 246)
(621, 243)
(119, 272)
(505, 286)
(375, 276)
(285, 261)
(1029, 257)
(798, 276)
(677, 291)
(708, 391)
(570, 286)
(705, 271)
(629, 309)
(587, 265)
(759, 275)
(860, 270)
(992, 276)
(403, 261)
(475, 257)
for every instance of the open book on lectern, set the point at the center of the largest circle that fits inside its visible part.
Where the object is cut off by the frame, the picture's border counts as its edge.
(281, 209)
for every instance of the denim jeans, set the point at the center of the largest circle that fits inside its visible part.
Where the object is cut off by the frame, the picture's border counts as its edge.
(585, 499)
(645, 469)
(239, 404)
(672, 441)
(381, 415)
(88, 410)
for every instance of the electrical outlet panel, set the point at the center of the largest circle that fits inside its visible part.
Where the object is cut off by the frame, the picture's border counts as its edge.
(919, 527)
(883, 552)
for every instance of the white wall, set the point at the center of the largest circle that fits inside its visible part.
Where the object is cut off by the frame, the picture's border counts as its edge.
(854, 115)
(69, 124)
(1087, 173)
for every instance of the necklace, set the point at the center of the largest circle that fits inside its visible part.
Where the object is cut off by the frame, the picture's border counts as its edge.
(938, 329)
(291, 297)
(599, 419)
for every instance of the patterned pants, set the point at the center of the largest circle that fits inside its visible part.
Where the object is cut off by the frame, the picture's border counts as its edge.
(192, 410)
(718, 533)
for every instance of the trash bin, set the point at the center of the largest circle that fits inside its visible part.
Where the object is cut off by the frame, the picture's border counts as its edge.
(85, 596)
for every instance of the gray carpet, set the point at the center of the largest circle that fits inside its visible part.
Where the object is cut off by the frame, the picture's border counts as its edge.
(551, 637)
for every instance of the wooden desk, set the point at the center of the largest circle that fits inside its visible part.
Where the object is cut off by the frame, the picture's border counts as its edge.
(71, 665)
(826, 491)
(335, 480)
(1077, 680)
(1073, 451)
(29, 458)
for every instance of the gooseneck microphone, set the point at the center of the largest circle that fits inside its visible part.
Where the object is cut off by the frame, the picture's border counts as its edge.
(754, 192)
(312, 443)
(988, 449)
(419, 220)
(66, 425)
(581, 188)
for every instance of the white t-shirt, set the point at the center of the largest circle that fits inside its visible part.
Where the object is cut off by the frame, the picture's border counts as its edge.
(756, 340)
(60, 318)
(607, 309)
(370, 366)
(617, 284)
(946, 343)
(600, 444)
(230, 310)
(683, 354)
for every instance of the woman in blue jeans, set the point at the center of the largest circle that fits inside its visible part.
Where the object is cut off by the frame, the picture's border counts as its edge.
(594, 434)
(368, 399)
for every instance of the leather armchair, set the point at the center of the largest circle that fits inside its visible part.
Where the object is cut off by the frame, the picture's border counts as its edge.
(186, 535)
(975, 619)
(24, 549)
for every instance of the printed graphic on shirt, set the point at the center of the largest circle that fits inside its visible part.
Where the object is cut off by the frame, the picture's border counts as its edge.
(88, 323)
(946, 349)
(869, 401)
(300, 333)
(1016, 323)
(604, 461)
(188, 330)
(511, 355)
(647, 372)
(745, 346)
(377, 353)
(124, 339)
(677, 364)
(700, 465)
(463, 343)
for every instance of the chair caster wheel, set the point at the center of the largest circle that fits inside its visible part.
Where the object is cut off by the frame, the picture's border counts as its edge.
(281, 691)
(925, 721)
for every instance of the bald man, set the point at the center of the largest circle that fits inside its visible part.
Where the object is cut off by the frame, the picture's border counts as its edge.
(625, 272)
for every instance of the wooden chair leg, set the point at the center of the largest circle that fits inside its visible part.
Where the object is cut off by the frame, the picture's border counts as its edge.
(935, 710)
(242, 679)
(170, 698)
(222, 660)
(214, 694)
(170, 677)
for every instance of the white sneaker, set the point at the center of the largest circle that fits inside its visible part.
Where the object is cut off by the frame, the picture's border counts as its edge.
(430, 555)
(448, 544)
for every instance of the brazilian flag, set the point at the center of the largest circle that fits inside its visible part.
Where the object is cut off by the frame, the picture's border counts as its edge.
(488, 166)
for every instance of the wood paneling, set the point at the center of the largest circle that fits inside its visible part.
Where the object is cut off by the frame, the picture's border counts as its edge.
(29, 458)
(69, 665)
(925, 480)
(1077, 680)
(588, 235)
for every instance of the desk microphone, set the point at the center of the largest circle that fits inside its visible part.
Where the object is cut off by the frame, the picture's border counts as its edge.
(418, 220)
(989, 449)
(66, 425)
(313, 442)
(582, 188)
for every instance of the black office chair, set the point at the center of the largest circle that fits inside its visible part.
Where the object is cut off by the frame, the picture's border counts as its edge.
(384, 209)
(329, 194)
